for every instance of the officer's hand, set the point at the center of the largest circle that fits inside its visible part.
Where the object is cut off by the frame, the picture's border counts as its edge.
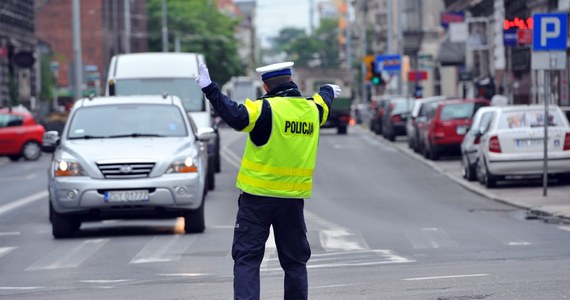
(336, 89)
(203, 79)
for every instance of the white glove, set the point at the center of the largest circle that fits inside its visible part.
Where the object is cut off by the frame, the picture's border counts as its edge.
(203, 78)
(336, 89)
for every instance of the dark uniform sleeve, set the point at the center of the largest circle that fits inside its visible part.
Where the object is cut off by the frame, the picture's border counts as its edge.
(234, 114)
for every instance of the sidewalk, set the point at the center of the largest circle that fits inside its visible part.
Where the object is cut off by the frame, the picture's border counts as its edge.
(527, 195)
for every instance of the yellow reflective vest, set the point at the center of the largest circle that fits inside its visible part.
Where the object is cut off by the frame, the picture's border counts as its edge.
(283, 167)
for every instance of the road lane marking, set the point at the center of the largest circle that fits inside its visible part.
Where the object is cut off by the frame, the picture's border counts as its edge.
(341, 240)
(163, 249)
(445, 277)
(184, 274)
(20, 288)
(24, 201)
(63, 257)
(9, 233)
(6, 250)
(430, 238)
(20, 178)
(105, 281)
(567, 228)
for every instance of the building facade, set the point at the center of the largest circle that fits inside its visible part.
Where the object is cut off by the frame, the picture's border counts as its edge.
(17, 84)
(103, 34)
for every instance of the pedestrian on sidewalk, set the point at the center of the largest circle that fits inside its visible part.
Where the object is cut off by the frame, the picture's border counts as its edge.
(275, 175)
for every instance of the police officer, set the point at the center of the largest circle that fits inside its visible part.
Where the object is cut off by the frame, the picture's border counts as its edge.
(275, 174)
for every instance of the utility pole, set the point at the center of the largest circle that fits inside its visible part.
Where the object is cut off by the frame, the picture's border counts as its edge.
(164, 28)
(77, 60)
(311, 17)
(127, 17)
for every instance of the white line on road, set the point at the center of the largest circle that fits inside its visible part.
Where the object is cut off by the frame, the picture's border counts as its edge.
(20, 288)
(9, 233)
(24, 201)
(163, 249)
(6, 250)
(20, 178)
(63, 258)
(567, 228)
(445, 277)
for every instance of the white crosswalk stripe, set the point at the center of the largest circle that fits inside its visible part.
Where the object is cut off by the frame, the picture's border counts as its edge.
(68, 255)
(6, 250)
(163, 249)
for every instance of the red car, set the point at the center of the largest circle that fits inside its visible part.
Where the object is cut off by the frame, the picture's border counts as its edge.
(20, 135)
(447, 124)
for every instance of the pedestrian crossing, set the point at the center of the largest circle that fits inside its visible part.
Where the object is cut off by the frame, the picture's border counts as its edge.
(332, 246)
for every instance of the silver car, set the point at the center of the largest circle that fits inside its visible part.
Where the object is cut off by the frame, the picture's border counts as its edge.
(132, 157)
(471, 141)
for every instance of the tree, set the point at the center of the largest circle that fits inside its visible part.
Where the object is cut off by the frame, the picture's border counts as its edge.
(201, 28)
(320, 49)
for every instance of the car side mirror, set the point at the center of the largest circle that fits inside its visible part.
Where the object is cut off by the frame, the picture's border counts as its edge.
(205, 134)
(50, 141)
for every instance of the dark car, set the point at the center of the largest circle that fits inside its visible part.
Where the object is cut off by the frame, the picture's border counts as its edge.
(395, 116)
(447, 125)
(417, 118)
(20, 135)
(377, 111)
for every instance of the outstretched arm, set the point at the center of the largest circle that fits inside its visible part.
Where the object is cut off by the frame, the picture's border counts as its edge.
(234, 114)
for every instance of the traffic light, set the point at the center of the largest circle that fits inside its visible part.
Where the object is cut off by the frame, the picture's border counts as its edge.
(376, 76)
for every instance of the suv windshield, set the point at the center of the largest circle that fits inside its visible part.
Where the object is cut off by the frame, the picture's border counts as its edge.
(127, 120)
(186, 89)
(460, 111)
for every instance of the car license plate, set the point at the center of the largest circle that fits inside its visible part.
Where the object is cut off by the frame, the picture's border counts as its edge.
(529, 142)
(126, 196)
(461, 130)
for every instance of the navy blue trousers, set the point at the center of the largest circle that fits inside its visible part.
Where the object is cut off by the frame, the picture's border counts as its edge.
(255, 216)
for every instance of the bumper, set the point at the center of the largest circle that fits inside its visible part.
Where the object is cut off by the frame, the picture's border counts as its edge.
(532, 165)
(172, 193)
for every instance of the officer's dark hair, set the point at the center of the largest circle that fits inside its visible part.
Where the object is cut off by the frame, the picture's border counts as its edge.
(273, 82)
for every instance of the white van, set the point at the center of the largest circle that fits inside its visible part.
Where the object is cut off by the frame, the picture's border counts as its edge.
(155, 73)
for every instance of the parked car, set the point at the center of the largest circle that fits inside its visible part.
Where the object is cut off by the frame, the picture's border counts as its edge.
(20, 135)
(127, 157)
(514, 144)
(395, 116)
(417, 118)
(472, 140)
(378, 110)
(447, 125)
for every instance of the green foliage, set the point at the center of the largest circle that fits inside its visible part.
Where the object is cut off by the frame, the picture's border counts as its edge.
(319, 49)
(201, 28)
(48, 80)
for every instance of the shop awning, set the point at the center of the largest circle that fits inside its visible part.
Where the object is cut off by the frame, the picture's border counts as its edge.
(451, 54)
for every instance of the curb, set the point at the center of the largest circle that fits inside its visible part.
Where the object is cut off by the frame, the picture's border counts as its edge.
(531, 212)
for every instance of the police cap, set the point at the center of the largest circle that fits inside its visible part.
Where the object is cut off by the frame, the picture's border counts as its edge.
(273, 70)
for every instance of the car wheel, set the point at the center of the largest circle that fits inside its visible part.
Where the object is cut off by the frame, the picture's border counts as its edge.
(490, 180)
(467, 170)
(211, 179)
(194, 220)
(31, 150)
(218, 159)
(391, 137)
(432, 153)
(14, 157)
(63, 226)
(341, 130)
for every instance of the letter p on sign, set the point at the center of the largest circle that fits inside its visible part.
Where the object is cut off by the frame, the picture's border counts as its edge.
(550, 32)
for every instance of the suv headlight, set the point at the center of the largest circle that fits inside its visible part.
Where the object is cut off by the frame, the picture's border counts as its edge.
(67, 168)
(188, 165)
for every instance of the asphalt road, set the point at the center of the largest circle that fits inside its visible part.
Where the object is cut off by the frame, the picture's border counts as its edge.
(381, 225)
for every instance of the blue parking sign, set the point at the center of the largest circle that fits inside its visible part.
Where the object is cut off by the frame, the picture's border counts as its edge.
(550, 32)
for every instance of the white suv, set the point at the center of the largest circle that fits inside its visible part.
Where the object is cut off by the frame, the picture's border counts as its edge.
(127, 157)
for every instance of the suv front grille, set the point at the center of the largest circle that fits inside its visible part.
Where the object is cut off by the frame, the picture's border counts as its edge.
(125, 170)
